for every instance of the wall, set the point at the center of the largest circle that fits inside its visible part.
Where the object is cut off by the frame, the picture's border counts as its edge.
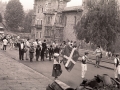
(68, 31)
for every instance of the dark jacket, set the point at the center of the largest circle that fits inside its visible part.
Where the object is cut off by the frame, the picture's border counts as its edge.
(38, 50)
(56, 50)
(19, 46)
(31, 50)
(51, 50)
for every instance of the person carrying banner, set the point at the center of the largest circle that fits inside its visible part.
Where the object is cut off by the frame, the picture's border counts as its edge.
(84, 64)
(57, 71)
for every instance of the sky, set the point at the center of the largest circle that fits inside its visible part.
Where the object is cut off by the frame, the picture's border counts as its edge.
(28, 4)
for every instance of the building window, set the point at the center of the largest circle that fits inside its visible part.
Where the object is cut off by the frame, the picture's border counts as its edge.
(75, 19)
(48, 19)
(37, 34)
(42, 9)
(38, 22)
(41, 22)
(60, 19)
(65, 20)
(38, 9)
(35, 7)
(40, 34)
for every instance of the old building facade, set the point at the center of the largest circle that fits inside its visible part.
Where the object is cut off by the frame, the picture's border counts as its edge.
(53, 21)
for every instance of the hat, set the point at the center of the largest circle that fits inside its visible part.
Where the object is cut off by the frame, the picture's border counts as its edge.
(86, 53)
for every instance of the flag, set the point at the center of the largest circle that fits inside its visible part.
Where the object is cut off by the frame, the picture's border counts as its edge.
(70, 56)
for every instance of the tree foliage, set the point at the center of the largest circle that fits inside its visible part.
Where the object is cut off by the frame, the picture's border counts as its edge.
(2, 8)
(14, 14)
(100, 25)
(28, 21)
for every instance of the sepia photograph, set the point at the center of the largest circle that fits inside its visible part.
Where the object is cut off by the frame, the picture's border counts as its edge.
(59, 44)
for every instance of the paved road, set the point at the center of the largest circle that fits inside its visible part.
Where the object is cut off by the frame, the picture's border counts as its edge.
(72, 78)
(17, 76)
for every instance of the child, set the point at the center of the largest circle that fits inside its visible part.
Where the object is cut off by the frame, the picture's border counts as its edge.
(31, 52)
(38, 51)
(84, 64)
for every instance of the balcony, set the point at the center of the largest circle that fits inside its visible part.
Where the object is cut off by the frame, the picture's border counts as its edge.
(47, 36)
(38, 26)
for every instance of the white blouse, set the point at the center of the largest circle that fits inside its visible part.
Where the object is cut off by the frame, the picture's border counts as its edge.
(56, 62)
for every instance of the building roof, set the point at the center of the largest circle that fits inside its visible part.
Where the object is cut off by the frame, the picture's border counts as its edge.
(73, 9)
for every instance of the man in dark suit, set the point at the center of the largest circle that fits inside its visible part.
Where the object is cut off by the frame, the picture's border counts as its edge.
(51, 52)
(44, 47)
(21, 50)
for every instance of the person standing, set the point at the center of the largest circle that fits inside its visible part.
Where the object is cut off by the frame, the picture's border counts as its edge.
(31, 52)
(35, 43)
(43, 50)
(84, 64)
(5, 42)
(57, 71)
(38, 51)
(54, 44)
(56, 49)
(51, 51)
(117, 67)
(27, 49)
(21, 50)
(11, 43)
(98, 53)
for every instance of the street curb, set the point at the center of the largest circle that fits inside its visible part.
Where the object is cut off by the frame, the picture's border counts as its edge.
(103, 66)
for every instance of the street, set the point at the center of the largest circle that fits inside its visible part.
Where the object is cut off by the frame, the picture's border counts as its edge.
(72, 78)
(16, 76)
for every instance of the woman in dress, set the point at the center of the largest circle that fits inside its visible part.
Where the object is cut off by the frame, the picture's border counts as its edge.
(56, 65)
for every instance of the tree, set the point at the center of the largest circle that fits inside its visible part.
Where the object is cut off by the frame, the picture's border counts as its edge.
(14, 15)
(28, 21)
(100, 25)
(2, 8)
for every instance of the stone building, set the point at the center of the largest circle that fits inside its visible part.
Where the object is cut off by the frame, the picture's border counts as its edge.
(53, 21)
